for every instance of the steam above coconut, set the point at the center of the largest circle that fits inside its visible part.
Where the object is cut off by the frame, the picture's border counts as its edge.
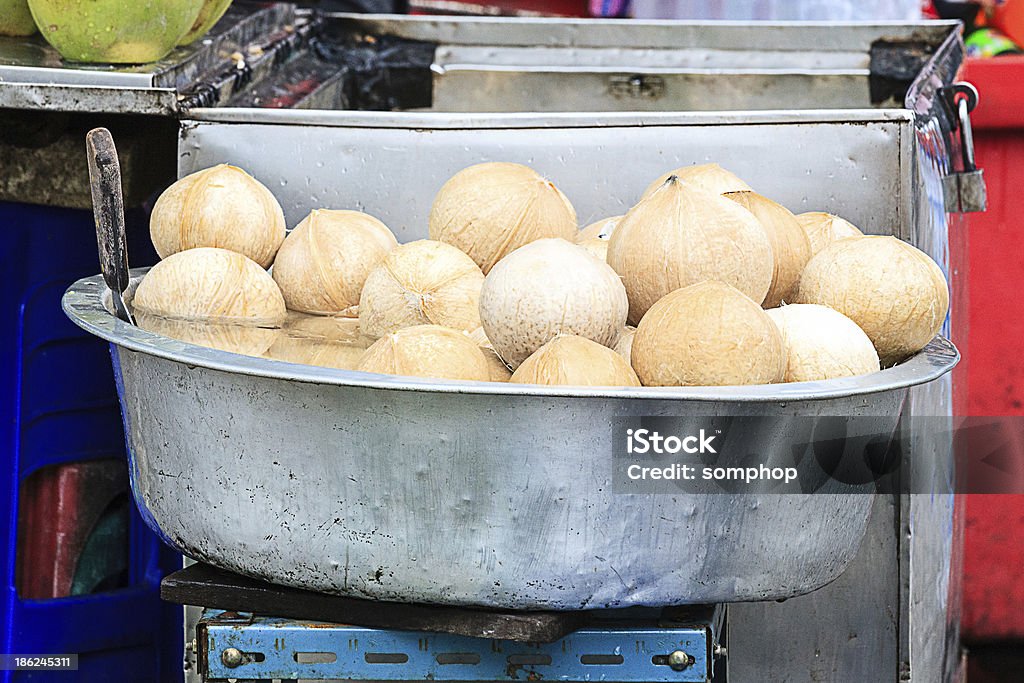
(703, 282)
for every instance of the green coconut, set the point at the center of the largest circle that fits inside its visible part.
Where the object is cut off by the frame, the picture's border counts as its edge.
(114, 31)
(16, 19)
(209, 15)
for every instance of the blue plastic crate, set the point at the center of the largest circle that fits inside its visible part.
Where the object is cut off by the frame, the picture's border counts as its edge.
(58, 405)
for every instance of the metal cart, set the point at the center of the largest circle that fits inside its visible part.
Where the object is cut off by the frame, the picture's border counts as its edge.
(318, 479)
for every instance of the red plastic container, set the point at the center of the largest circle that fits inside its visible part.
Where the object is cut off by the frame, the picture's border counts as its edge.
(994, 535)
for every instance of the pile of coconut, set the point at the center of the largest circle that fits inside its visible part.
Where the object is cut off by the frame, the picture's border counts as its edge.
(702, 282)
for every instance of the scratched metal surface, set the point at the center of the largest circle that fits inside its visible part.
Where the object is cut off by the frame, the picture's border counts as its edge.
(461, 499)
(931, 537)
(838, 161)
(510, 64)
(894, 614)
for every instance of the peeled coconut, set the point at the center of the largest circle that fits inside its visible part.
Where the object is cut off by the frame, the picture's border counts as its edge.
(594, 238)
(491, 209)
(790, 249)
(708, 177)
(223, 207)
(596, 246)
(16, 19)
(211, 297)
(427, 351)
(324, 341)
(708, 334)
(210, 14)
(625, 346)
(601, 229)
(681, 235)
(547, 288)
(576, 361)
(114, 31)
(205, 283)
(822, 343)
(479, 337)
(326, 259)
(895, 292)
(499, 371)
(822, 229)
(421, 283)
(496, 367)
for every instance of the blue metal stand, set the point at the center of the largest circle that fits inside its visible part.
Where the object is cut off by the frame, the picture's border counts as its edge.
(244, 647)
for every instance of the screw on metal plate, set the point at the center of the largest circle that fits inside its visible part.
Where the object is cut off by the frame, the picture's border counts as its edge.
(637, 86)
(964, 190)
(679, 660)
(232, 658)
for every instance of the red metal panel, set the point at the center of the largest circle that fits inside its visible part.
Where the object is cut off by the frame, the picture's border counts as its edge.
(1002, 92)
(994, 535)
(993, 606)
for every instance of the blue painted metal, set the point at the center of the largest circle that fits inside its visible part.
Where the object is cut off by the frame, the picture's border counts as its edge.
(289, 649)
(58, 405)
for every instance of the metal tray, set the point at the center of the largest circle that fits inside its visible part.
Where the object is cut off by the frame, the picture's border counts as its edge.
(466, 493)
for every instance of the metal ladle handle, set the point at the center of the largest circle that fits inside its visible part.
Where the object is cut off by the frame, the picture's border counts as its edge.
(108, 211)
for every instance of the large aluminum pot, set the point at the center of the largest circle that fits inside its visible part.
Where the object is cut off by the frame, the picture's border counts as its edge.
(465, 493)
